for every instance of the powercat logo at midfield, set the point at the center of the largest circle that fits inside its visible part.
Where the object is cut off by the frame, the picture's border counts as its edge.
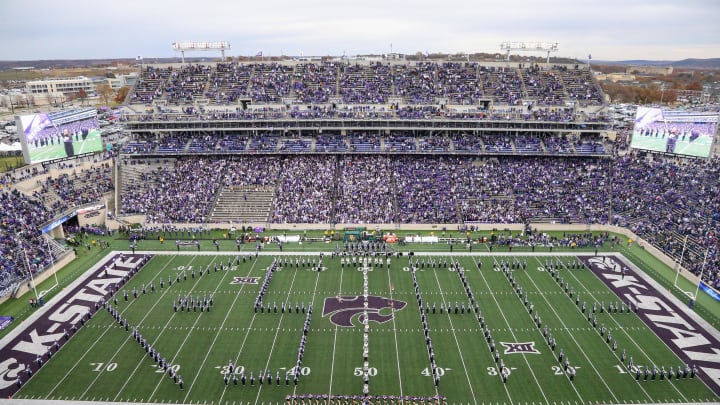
(692, 343)
(23, 346)
(343, 309)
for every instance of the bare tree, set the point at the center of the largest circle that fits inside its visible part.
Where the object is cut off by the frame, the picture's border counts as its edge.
(105, 91)
(82, 95)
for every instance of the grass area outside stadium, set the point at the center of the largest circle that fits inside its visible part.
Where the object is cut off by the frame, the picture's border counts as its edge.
(8, 163)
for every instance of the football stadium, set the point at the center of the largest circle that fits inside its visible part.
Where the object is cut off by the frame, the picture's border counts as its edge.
(366, 231)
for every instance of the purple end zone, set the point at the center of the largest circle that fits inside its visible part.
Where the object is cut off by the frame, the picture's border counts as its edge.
(34, 339)
(343, 309)
(692, 343)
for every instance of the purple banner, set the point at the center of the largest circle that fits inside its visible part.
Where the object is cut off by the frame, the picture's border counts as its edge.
(5, 321)
(33, 342)
(258, 229)
(683, 335)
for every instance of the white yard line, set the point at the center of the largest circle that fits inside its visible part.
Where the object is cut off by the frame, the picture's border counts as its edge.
(559, 318)
(277, 331)
(397, 350)
(332, 363)
(312, 301)
(457, 343)
(496, 365)
(143, 360)
(622, 330)
(97, 341)
(242, 345)
(545, 340)
(217, 335)
(512, 333)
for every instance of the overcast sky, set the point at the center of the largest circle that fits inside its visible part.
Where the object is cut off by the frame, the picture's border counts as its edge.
(607, 29)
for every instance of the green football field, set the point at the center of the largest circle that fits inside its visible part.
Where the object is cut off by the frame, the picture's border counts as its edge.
(699, 147)
(92, 143)
(103, 362)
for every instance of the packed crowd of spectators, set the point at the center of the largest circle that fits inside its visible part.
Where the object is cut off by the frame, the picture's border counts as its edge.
(580, 87)
(367, 83)
(228, 83)
(425, 188)
(315, 83)
(416, 84)
(149, 87)
(544, 87)
(364, 190)
(665, 201)
(459, 83)
(185, 84)
(662, 200)
(305, 190)
(647, 197)
(252, 173)
(22, 247)
(404, 189)
(362, 84)
(182, 193)
(504, 85)
(75, 189)
(270, 82)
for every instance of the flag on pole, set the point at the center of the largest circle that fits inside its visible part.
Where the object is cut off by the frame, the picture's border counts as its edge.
(259, 53)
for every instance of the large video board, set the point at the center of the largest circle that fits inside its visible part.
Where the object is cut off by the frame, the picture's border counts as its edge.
(674, 131)
(54, 135)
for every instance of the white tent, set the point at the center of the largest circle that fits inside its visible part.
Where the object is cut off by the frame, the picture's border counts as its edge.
(9, 148)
